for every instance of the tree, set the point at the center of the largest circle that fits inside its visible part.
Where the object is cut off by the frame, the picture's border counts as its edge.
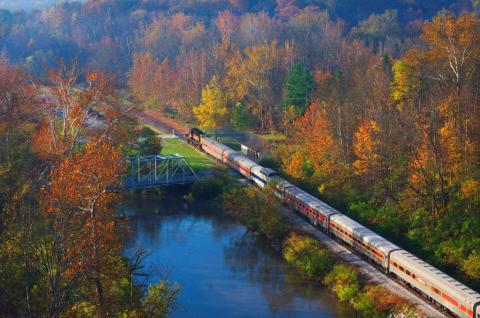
(141, 77)
(298, 86)
(313, 152)
(241, 116)
(148, 143)
(19, 171)
(159, 301)
(79, 206)
(435, 83)
(344, 281)
(226, 24)
(307, 255)
(255, 78)
(471, 266)
(79, 240)
(259, 211)
(55, 138)
(380, 31)
(192, 76)
(366, 148)
(212, 111)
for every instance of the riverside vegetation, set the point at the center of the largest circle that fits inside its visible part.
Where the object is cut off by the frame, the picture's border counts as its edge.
(260, 212)
(60, 242)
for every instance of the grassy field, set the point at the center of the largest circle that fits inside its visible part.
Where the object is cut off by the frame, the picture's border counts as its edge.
(230, 142)
(197, 160)
(273, 137)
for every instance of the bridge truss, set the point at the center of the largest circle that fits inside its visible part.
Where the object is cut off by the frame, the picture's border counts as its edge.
(158, 170)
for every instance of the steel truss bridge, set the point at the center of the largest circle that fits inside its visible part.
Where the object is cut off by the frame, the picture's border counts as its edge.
(157, 170)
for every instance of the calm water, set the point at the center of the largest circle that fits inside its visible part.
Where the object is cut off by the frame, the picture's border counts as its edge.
(223, 271)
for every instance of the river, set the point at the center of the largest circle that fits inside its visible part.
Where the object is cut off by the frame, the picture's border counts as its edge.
(222, 270)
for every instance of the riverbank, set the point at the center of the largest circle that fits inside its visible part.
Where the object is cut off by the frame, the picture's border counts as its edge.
(223, 269)
(375, 295)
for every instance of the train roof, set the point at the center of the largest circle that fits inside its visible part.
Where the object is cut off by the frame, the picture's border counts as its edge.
(311, 201)
(265, 171)
(196, 131)
(364, 233)
(241, 159)
(433, 275)
(216, 144)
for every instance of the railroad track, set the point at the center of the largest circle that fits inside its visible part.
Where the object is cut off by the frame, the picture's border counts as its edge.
(415, 293)
(157, 123)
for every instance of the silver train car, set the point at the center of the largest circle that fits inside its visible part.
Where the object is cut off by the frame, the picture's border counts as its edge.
(362, 239)
(439, 287)
(436, 286)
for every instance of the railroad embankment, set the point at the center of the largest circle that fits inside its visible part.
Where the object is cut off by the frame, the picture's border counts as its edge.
(314, 255)
(362, 286)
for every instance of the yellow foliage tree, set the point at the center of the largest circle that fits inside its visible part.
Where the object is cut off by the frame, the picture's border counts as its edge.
(253, 77)
(212, 111)
(366, 148)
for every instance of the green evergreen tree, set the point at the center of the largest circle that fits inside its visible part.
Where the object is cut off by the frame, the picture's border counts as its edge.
(241, 117)
(298, 86)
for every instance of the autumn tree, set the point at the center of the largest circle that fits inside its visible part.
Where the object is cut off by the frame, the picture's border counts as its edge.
(58, 138)
(255, 78)
(446, 115)
(434, 87)
(212, 111)
(381, 31)
(86, 239)
(19, 176)
(83, 163)
(313, 152)
(192, 76)
(142, 76)
(366, 148)
(227, 24)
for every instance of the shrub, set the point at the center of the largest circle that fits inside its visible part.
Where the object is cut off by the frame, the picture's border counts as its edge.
(307, 256)
(344, 281)
(384, 302)
(259, 211)
(160, 300)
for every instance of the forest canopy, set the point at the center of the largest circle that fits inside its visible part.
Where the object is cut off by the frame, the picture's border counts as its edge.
(376, 103)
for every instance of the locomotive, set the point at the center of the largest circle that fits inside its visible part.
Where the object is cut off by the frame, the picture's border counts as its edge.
(434, 285)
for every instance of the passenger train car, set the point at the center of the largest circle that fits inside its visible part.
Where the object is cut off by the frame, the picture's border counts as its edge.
(435, 286)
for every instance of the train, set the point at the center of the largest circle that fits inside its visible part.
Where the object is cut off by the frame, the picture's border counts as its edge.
(434, 285)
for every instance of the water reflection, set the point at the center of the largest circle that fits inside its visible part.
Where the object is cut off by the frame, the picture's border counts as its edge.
(223, 270)
(284, 290)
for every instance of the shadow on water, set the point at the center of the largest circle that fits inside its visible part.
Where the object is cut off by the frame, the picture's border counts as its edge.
(282, 287)
(223, 270)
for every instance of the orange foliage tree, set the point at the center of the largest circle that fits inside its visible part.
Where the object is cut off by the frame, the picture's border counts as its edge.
(84, 164)
(314, 151)
(68, 111)
(79, 204)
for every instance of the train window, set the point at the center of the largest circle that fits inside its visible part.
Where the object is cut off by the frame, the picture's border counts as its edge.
(401, 268)
(436, 290)
(408, 272)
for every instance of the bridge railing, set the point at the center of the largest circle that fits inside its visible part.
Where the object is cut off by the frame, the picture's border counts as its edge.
(157, 170)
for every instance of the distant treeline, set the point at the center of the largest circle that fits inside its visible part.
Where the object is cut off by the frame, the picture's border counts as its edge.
(104, 34)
